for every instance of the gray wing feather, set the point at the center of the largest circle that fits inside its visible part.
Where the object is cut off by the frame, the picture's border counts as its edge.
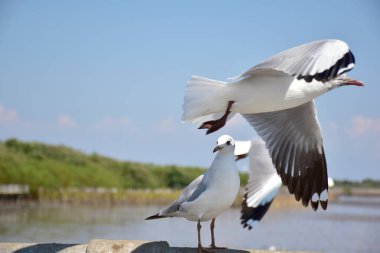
(321, 60)
(294, 140)
(200, 188)
(192, 191)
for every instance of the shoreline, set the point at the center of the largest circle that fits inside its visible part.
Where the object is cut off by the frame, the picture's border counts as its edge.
(157, 197)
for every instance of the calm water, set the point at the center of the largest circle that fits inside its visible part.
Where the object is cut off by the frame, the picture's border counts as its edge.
(351, 224)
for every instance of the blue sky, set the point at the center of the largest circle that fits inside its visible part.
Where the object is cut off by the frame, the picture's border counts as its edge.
(109, 76)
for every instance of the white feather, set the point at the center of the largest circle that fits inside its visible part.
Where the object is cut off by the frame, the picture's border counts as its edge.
(201, 100)
(263, 183)
(307, 59)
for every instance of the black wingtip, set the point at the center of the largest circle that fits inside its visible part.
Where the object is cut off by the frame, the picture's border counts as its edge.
(254, 214)
(153, 217)
(314, 205)
(305, 203)
(324, 204)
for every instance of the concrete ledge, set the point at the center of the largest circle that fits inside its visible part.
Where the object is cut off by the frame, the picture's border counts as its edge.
(112, 246)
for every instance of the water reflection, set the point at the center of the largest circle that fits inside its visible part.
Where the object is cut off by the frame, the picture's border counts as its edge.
(351, 224)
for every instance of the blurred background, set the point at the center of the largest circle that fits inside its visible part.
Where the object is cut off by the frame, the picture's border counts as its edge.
(91, 138)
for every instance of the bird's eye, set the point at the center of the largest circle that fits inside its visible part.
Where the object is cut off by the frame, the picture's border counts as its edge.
(228, 142)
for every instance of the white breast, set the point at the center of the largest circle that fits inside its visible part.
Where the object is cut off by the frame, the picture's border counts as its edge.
(266, 93)
(221, 192)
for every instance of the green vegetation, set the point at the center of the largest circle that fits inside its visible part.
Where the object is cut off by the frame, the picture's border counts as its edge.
(365, 183)
(53, 167)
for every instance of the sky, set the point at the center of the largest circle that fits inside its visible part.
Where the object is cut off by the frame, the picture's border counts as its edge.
(109, 76)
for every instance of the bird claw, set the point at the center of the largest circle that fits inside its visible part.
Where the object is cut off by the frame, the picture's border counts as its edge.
(213, 125)
(216, 247)
(207, 250)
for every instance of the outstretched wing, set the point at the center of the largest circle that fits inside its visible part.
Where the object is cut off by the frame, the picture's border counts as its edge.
(320, 60)
(263, 183)
(294, 140)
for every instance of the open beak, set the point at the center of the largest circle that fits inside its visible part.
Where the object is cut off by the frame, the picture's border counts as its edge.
(217, 148)
(355, 82)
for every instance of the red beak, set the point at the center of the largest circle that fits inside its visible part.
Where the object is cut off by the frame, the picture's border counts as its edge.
(355, 82)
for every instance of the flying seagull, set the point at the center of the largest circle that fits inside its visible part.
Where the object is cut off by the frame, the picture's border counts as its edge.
(263, 183)
(209, 194)
(277, 98)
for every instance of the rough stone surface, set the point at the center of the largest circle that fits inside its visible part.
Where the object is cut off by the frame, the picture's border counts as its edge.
(195, 250)
(124, 246)
(42, 248)
(111, 246)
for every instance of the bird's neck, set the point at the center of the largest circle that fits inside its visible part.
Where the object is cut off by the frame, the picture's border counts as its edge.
(300, 90)
(224, 160)
(223, 167)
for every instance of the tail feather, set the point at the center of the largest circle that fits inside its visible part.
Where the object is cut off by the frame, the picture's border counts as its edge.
(204, 100)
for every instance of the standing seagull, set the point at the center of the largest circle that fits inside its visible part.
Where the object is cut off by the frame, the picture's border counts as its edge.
(209, 194)
(277, 98)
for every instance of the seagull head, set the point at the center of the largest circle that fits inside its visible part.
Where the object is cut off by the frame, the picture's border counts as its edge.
(225, 143)
(344, 80)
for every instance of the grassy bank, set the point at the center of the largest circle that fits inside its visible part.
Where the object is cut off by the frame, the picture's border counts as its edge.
(53, 167)
(64, 175)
